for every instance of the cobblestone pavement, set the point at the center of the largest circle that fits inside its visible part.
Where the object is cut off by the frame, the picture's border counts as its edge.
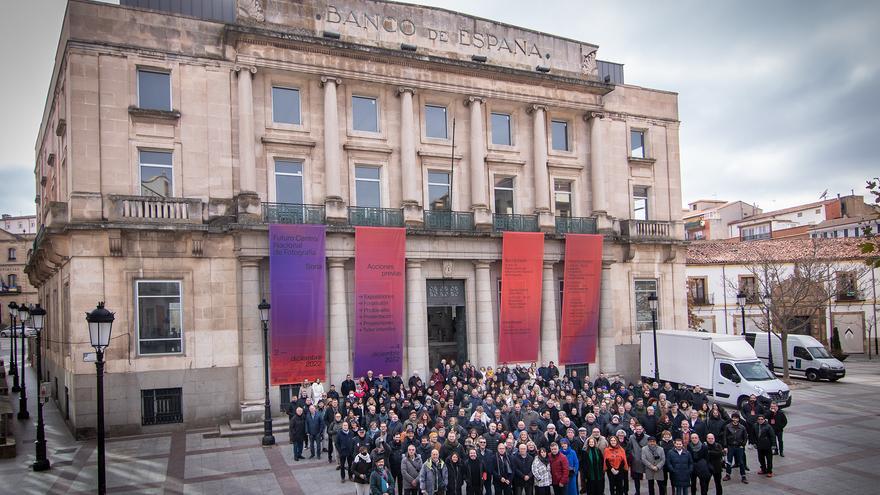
(832, 445)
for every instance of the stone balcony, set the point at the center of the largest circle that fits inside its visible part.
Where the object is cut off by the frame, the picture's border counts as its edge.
(154, 209)
(649, 230)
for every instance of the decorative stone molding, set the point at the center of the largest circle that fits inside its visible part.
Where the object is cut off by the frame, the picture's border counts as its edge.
(589, 67)
(534, 107)
(251, 10)
(327, 79)
(474, 99)
(61, 127)
(250, 68)
(405, 89)
(337, 262)
(589, 116)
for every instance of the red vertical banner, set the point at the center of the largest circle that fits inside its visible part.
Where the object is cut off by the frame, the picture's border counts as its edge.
(579, 336)
(519, 325)
(380, 298)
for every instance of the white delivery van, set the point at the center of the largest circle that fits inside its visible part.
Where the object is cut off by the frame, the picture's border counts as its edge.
(807, 356)
(725, 366)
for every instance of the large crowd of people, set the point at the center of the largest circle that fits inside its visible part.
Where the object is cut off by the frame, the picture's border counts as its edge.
(528, 431)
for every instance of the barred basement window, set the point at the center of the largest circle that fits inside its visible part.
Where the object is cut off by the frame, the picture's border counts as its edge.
(162, 406)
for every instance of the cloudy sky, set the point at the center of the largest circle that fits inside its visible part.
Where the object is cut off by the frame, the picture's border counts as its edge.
(779, 100)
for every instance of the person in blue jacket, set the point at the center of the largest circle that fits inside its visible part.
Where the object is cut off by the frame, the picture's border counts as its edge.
(680, 465)
(565, 449)
(315, 430)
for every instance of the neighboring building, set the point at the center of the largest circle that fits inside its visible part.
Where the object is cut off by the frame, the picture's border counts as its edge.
(19, 225)
(797, 220)
(168, 146)
(846, 227)
(717, 271)
(14, 282)
(709, 219)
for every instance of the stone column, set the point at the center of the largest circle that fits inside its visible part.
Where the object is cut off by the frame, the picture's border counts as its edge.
(486, 355)
(412, 212)
(598, 184)
(416, 326)
(549, 328)
(251, 342)
(340, 355)
(248, 199)
(607, 333)
(539, 165)
(335, 206)
(477, 163)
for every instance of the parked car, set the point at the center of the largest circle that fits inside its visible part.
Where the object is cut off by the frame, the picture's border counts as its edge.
(16, 332)
(807, 357)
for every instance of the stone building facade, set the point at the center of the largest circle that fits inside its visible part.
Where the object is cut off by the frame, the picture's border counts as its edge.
(14, 283)
(169, 143)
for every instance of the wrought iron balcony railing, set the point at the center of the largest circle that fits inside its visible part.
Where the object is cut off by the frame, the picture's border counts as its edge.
(575, 225)
(293, 213)
(360, 216)
(462, 221)
(515, 223)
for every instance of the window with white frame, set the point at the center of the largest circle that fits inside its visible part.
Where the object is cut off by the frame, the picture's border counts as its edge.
(504, 195)
(286, 105)
(501, 129)
(559, 135)
(364, 114)
(368, 186)
(642, 289)
(640, 203)
(435, 122)
(562, 197)
(438, 190)
(637, 143)
(288, 181)
(159, 316)
(13, 280)
(11, 253)
(154, 89)
(157, 173)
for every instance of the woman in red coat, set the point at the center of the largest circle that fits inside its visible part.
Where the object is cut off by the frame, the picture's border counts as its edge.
(558, 469)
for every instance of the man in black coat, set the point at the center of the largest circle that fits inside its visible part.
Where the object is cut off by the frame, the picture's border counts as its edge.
(345, 440)
(297, 431)
(735, 437)
(500, 469)
(523, 482)
(778, 421)
(765, 438)
(347, 386)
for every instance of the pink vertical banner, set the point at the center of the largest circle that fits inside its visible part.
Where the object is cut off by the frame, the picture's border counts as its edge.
(579, 336)
(380, 299)
(519, 326)
(298, 281)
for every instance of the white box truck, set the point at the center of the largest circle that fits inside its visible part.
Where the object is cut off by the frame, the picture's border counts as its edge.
(725, 366)
(807, 357)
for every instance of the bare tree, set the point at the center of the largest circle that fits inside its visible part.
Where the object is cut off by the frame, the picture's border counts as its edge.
(800, 284)
(694, 322)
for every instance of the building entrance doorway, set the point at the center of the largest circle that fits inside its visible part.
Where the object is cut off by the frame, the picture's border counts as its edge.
(447, 322)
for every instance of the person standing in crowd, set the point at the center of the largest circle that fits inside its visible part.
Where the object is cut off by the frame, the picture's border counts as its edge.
(653, 463)
(501, 471)
(637, 441)
(716, 460)
(616, 466)
(765, 438)
(778, 421)
(333, 427)
(735, 438)
(523, 481)
(680, 465)
(381, 481)
(541, 472)
(701, 471)
(315, 431)
(593, 468)
(558, 469)
(474, 473)
(433, 475)
(361, 469)
(344, 450)
(667, 444)
(297, 432)
(571, 488)
(410, 467)
(455, 474)
(750, 412)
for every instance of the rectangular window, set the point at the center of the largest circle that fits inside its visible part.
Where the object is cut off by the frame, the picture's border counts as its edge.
(562, 197)
(438, 191)
(11, 254)
(504, 195)
(847, 286)
(643, 289)
(364, 114)
(157, 173)
(559, 134)
(154, 90)
(637, 144)
(501, 129)
(13, 280)
(159, 317)
(435, 122)
(288, 182)
(162, 406)
(748, 285)
(756, 232)
(285, 105)
(640, 203)
(697, 290)
(368, 186)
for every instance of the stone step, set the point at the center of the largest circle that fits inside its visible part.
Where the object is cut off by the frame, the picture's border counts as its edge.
(235, 428)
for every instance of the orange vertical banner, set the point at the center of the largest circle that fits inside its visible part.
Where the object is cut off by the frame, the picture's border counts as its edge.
(519, 326)
(579, 336)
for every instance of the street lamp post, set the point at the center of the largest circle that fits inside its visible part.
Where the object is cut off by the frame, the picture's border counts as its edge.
(38, 316)
(741, 302)
(23, 315)
(767, 302)
(652, 302)
(100, 325)
(13, 366)
(268, 438)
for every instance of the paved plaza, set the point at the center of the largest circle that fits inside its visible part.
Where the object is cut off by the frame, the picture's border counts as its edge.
(832, 445)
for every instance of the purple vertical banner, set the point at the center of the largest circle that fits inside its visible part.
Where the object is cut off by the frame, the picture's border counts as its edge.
(379, 288)
(298, 281)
